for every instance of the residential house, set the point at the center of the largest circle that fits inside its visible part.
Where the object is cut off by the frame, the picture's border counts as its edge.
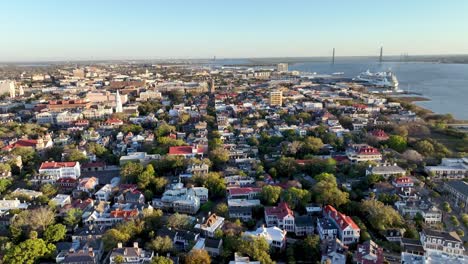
(303, 225)
(243, 192)
(238, 259)
(130, 255)
(242, 208)
(209, 226)
(281, 216)
(348, 231)
(363, 152)
(6, 205)
(52, 171)
(195, 151)
(440, 242)
(61, 200)
(327, 229)
(369, 253)
(131, 196)
(386, 170)
(213, 246)
(275, 236)
(449, 169)
(458, 194)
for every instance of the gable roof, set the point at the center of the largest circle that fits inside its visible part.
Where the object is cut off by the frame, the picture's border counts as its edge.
(343, 221)
(280, 211)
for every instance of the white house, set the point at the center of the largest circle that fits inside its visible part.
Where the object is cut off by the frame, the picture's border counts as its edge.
(348, 230)
(57, 170)
(273, 235)
(281, 216)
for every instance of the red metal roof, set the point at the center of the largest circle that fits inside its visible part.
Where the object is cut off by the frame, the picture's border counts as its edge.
(280, 211)
(342, 220)
(185, 150)
(56, 165)
(243, 190)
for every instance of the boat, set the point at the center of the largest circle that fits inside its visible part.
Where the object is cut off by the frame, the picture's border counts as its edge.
(385, 79)
(338, 73)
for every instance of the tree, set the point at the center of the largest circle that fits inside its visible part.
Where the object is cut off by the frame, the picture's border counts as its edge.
(37, 220)
(5, 184)
(213, 182)
(164, 130)
(286, 167)
(161, 245)
(412, 155)
(311, 245)
(446, 207)
(296, 197)
(55, 233)
(327, 192)
(379, 215)
(219, 156)
(130, 171)
(198, 256)
(312, 145)
(270, 194)
(177, 220)
(161, 260)
(146, 177)
(76, 155)
(397, 143)
(73, 217)
(152, 219)
(28, 252)
(48, 189)
(112, 237)
(454, 220)
(424, 147)
(221, 209)
(119, 259)
(4, 168)
(257, 248)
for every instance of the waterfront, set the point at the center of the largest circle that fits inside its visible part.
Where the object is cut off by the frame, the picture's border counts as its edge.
(446, 85)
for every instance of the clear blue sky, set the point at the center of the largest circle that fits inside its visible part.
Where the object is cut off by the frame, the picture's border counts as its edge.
(112, 29)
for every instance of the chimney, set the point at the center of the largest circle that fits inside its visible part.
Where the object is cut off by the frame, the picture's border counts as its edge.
(119, 245)
(135, 244)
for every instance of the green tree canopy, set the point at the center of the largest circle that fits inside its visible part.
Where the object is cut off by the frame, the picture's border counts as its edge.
(327, 192)
(55, 233)
(73, 217)
(296, 197)
(381, 216)
(397, 143)
(270, 194)
(28, 252)
(198, 256)
(130, 171)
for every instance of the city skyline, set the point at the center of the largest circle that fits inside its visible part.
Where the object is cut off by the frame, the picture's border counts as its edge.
(116, 30)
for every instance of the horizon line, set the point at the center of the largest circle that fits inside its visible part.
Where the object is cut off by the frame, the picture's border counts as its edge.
(58, 60)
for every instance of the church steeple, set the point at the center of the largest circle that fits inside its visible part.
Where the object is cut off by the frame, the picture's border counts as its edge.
(118, 103)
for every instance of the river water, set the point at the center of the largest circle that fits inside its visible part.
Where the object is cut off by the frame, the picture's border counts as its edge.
(446, 85)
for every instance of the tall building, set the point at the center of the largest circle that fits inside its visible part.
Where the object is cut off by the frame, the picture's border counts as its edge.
(212, 86)
(21, 91)
(8, 87)
(276, 98)
(282, 67)
(118, 103)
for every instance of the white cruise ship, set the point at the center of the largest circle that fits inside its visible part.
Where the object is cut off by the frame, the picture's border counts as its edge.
(385, 79)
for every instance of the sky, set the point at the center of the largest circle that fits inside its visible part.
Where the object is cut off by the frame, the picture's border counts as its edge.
(162, 29)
